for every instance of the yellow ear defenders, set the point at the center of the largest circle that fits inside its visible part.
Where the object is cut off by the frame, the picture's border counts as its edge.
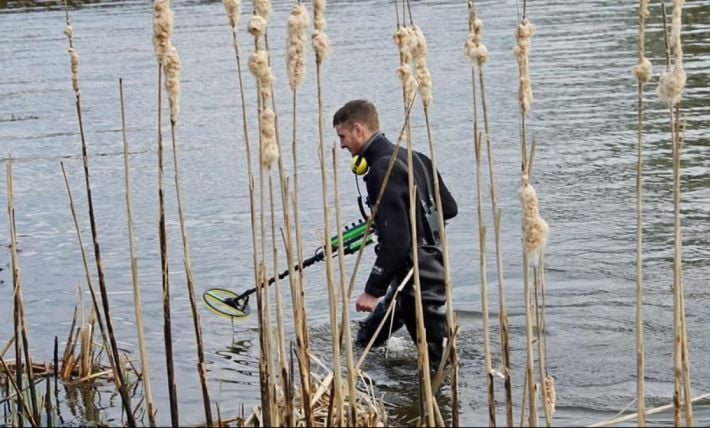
(358, 165)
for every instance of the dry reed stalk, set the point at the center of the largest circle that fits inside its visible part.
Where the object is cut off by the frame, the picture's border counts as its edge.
(162, 31)
(321, 46)
(145, 371)
(21, 404)
(523, 33)
(670, 90)
(74, 59)
(546, 382)
(642, 73)
(298, 23)
(18, 315)
(649, 412)
(477, 52)
(478, 137)
(345, 322)
(172, 86)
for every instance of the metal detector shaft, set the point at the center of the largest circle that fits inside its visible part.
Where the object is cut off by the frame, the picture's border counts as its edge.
(352, 241)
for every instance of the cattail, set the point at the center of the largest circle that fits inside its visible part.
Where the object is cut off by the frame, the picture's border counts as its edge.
(257, 26)
(421, 69)
(473, 48)
(535, 228)
(262, 8)
(319, 22)
(162, 29)
(296, 50)
(523, 34)
(233, 9)
(269, 147)
(549, 385)
(259, 67)
(74, 57)
(172, 82)
(409, 83)
(672, 82)
(403, 39)
(643, 70)
(321, 45)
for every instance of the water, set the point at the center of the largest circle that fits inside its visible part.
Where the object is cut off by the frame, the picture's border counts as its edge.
(583, 121)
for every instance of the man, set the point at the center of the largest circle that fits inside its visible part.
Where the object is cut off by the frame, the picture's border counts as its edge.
(357, 126)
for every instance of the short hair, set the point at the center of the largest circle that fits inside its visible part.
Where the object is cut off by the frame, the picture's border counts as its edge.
(361, 111)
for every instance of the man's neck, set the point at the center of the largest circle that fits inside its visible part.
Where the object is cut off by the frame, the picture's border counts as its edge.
(369, 141)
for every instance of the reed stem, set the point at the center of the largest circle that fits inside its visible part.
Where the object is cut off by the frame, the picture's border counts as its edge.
(145, 370)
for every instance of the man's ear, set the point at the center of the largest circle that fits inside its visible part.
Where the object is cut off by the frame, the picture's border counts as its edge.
(359, 129)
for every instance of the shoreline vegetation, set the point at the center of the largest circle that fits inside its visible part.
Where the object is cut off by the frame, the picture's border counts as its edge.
(298, 388)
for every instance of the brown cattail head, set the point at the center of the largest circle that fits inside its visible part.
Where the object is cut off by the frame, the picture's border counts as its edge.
(523, 33)
(172, 82)
(550, 398)
(257, 26)
(672, 82)
(535, 228)
(269, 148)
(296, 45)
(259, 67)
(162, 29)
(233, 9)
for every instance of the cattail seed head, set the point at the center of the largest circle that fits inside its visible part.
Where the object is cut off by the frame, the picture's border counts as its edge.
(74, 57)
(535, 228)
(257, 26)
(672, 83)
(421, 69)
(403, 39)
(269, 147)
(523, 33)
(68, 30)
(550, 396)
(233, 9)
(319, 22)
(296, 45)
(409, 83)
(263, 8)
(321, 45)
(162, 28)
(172, 82)
(259, 67)
(643, 70)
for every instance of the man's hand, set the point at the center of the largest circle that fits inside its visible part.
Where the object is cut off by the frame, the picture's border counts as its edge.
(366, 302)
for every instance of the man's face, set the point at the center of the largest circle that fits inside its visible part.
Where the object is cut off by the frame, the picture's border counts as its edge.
(351, 136)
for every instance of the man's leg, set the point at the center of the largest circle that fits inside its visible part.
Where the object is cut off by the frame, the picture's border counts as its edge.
(369, 325)
(435, 324)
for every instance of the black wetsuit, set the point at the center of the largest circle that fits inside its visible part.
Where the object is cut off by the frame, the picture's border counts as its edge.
(394, 246)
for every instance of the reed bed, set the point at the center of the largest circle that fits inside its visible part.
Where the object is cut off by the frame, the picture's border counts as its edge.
(324, 398)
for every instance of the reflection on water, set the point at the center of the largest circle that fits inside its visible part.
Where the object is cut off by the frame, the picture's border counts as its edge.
(583, 121)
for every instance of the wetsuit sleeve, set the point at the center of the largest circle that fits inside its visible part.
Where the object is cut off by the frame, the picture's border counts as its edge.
(448, 203)
(391, 225)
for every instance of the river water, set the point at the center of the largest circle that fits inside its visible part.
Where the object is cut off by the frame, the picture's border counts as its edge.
(583, 121)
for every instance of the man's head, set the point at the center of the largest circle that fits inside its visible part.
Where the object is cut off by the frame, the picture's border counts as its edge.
(355, 123)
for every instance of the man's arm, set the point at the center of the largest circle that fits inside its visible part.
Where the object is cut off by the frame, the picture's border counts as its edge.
(391, 224)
